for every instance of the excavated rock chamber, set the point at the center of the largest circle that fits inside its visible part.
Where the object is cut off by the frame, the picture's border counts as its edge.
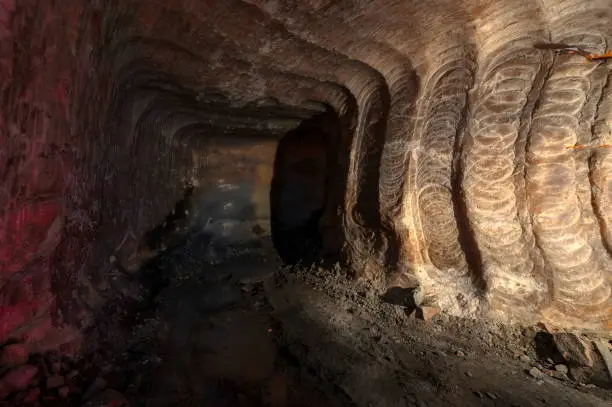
(427, 143)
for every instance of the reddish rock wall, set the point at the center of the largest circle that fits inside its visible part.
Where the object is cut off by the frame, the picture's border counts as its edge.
(44, 64)
(84, 173)
(98, 142)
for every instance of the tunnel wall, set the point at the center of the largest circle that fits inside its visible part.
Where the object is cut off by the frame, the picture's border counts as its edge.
(97, 145)
(98, 141)
(80, 184)
(45, 62)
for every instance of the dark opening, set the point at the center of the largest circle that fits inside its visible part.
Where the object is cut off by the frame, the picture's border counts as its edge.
(299, 194)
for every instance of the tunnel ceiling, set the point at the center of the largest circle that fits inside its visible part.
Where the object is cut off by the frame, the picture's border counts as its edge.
(452, 162)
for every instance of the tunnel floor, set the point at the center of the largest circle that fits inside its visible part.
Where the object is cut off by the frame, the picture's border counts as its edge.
(232, 327)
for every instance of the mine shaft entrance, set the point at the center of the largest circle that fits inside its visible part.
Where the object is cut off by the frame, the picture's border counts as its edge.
(299, 192)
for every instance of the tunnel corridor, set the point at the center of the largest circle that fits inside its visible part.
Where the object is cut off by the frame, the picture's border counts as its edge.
(204, 203)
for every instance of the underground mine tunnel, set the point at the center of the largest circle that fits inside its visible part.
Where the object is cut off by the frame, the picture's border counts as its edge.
(299, 203)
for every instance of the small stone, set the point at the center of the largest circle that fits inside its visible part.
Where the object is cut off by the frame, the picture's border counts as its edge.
(536, 373)
(32, 396)
(525, 358)
(490, 395)
(460, 354)
(468, 374)
(574, 349)
(561, 369)
(63, 391)
(427, 313)
(479, 394)
(55, 381)
(550, 361)
(17, 379)
(549, 372)
(557, 375)
(14, 355)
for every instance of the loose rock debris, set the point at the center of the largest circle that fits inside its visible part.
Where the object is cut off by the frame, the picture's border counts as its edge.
(302, 337)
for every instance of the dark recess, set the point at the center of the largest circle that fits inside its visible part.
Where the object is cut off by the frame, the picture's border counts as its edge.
(298, 193)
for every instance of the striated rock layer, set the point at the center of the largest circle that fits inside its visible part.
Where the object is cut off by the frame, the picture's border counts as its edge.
(446, 146)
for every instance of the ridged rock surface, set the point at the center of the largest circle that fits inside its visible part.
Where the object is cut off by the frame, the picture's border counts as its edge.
(447, 145)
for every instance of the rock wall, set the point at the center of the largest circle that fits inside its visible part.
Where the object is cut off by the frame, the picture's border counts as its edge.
(99, 140)
(449, 145)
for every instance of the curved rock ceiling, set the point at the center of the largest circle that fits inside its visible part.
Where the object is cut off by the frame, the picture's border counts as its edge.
(450, 135)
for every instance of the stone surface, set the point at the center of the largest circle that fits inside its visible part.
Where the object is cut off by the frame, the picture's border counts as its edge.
(63, 391)
(113, 113)
(17, 379)
(55, 381)
(426, 313)
(13, 355)
(32, 396)
(536, 373)
(574, 349)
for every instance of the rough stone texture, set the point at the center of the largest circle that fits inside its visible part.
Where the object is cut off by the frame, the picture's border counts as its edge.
(574, 349)
(447, 158)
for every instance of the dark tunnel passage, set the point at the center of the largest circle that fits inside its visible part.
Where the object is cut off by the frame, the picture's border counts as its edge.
(298, 193)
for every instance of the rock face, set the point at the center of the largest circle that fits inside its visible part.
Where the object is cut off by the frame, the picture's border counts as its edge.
(446, 154)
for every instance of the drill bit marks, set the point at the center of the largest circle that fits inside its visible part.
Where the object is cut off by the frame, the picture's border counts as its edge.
(573, 50)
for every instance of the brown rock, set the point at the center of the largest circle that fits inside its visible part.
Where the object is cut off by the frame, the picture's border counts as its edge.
(14, 355)
(32, 396)
(575, 350)
(426, 313)
(536, 373)
(55, 381)
(17, 379)
(63, 391)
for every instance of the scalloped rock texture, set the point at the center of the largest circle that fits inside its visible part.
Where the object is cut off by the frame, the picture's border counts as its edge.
(449, 135)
